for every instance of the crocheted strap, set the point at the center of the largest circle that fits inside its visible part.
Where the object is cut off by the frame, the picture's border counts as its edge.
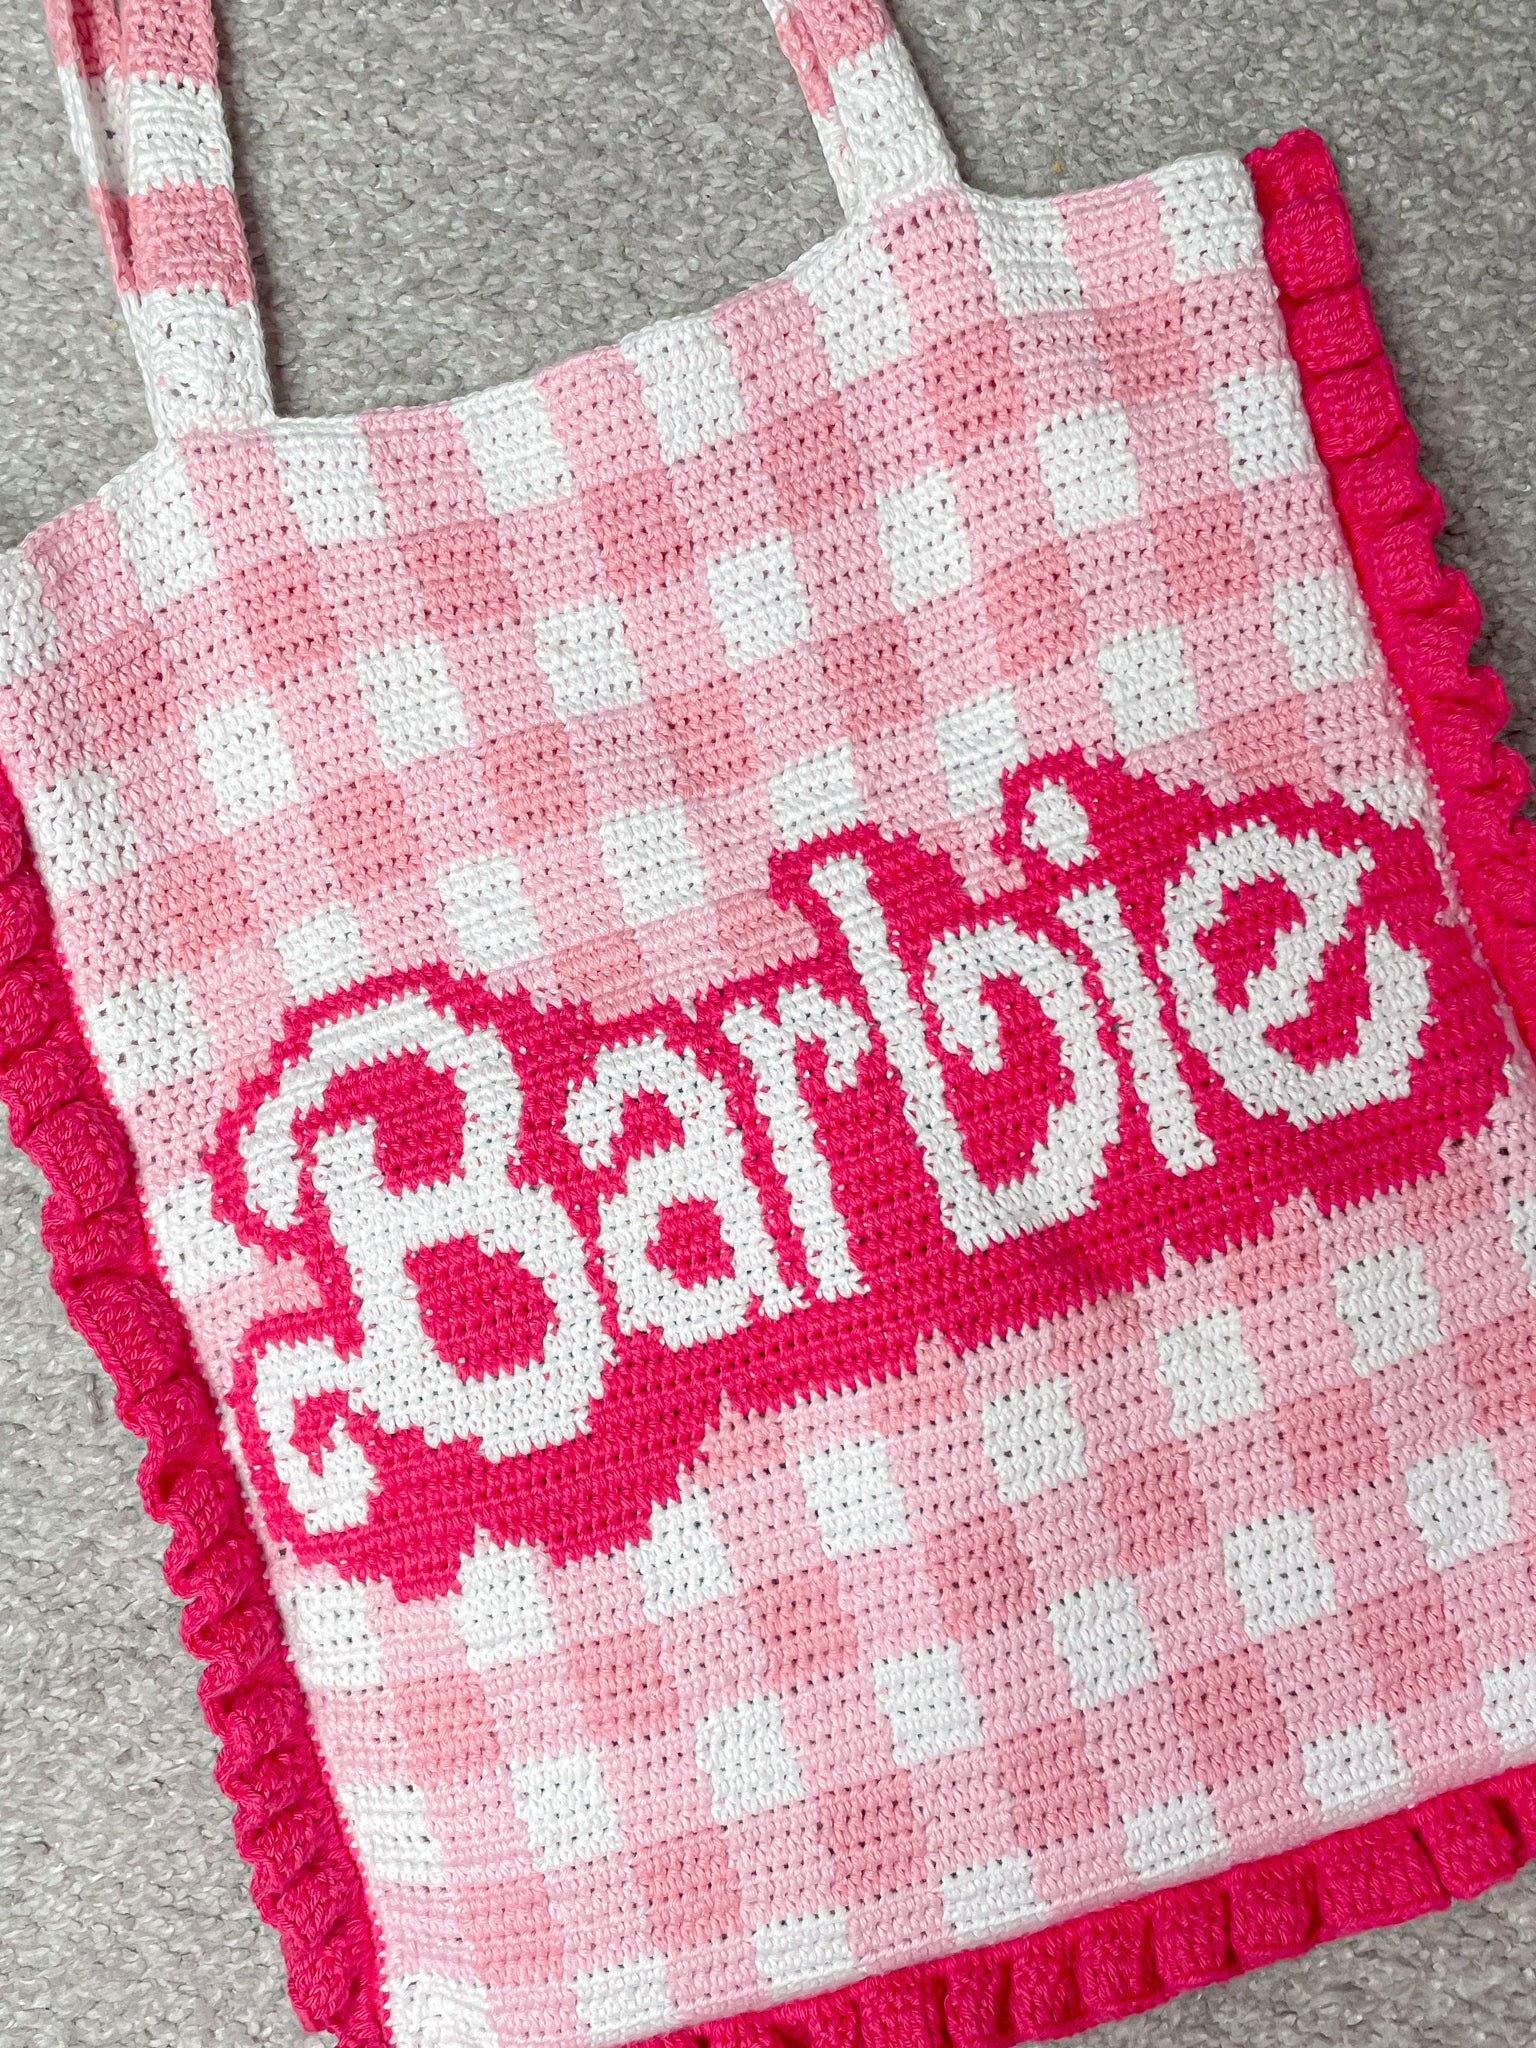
(147, 123)
(875, 121)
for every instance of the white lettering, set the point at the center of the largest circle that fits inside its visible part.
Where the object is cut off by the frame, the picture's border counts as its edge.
(399, 1375)
(706, 1166)
(1265, 1079)
(807, 1016)
(1072, 1154)
(1096, 917)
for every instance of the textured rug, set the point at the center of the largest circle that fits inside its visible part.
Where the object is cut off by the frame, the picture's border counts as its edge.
(443, 204)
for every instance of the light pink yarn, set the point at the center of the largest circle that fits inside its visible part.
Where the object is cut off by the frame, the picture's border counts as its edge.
(796, 1030)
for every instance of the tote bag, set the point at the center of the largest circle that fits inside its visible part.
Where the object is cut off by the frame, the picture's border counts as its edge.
(788, 1075)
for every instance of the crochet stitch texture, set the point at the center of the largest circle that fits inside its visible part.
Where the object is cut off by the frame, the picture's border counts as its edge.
(795, 1028)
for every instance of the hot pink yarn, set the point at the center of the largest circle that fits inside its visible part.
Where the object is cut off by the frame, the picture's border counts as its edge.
(776, 1069)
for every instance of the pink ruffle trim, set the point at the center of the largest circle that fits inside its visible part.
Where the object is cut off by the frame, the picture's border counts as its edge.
(1426, 617)
(1108, 1965)
(1041, 1986)
(303, 1877)
(1134, 1955)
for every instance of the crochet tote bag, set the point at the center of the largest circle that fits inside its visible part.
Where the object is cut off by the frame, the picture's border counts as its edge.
(788, 1074)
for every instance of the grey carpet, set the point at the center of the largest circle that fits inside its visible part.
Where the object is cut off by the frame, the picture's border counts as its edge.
(453, 196)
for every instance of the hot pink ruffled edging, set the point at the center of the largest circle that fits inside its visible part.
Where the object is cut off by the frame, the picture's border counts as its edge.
(1426, 617)
(1040, 1986)
(303, 1878)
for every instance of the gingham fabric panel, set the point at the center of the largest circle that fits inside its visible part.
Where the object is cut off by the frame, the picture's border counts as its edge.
(392, 775)
(1170, 1584)
(146, 120)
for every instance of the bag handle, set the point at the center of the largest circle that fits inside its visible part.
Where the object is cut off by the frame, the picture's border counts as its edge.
(147, 122)
(876, 123)
(140, 84)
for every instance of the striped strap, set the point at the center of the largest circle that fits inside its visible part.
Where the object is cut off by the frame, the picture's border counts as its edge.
(147, 123)
(876, 124)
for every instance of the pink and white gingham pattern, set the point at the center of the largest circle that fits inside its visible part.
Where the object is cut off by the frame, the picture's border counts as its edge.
(141, 93)
(532, 685)
(1177, 1581)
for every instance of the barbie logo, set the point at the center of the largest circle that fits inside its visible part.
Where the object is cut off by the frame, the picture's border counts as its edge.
(542, 1249)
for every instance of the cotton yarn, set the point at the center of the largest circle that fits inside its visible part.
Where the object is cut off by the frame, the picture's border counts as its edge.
(806, 1039)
